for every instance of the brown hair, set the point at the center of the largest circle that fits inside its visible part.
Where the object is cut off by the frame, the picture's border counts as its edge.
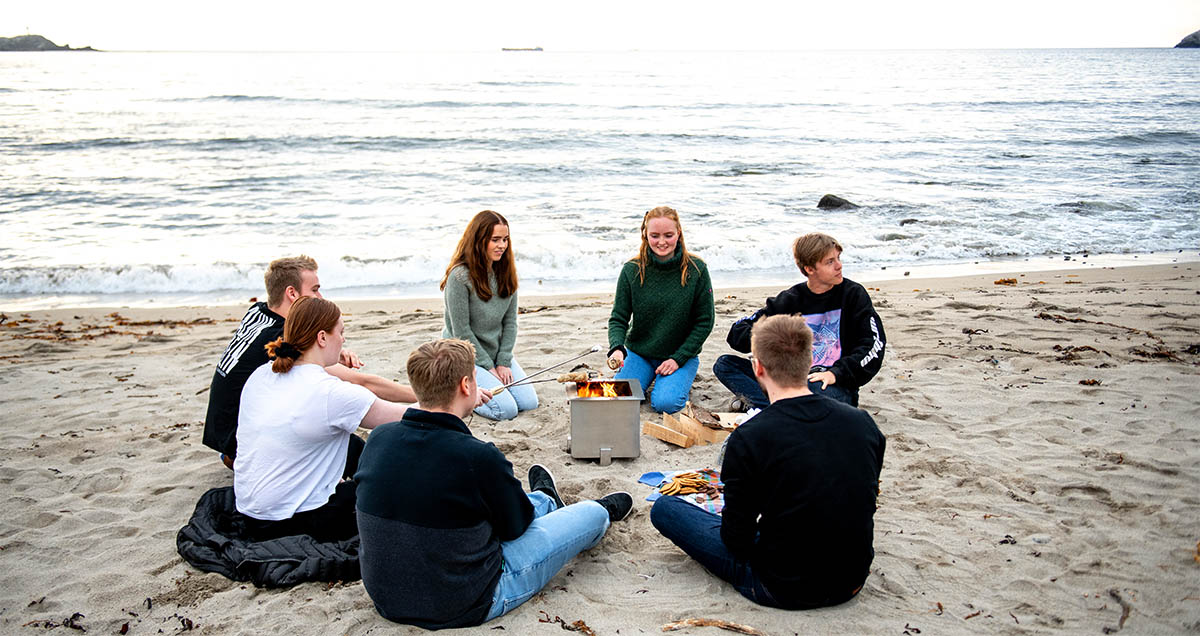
(644, 252)
(808, 250)
(308, 317)
(283, 273)
(783, 344)
(472, 251)
(435, 369)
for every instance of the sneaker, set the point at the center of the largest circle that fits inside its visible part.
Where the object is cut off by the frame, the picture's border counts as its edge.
(541, 479)
(618, 505)
(738, 405)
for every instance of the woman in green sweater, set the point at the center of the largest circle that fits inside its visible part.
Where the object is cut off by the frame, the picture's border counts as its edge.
(662, 313)
(481, 308)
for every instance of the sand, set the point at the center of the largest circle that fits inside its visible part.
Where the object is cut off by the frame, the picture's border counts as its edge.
(1042, 472)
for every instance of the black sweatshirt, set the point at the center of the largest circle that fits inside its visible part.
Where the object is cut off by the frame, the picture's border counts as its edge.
(848, 336)
(810, 467)
(434, 503)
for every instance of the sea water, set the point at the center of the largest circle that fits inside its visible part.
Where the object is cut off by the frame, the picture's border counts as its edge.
(142, 177)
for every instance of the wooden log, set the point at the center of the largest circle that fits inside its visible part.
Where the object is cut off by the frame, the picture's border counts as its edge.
(667, 435)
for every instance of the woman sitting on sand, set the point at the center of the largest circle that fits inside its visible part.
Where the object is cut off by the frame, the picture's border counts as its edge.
(662, 313)
(481, 308)
(296, 448)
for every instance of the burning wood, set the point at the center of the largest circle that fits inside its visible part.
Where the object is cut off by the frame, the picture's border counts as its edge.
(602, 389)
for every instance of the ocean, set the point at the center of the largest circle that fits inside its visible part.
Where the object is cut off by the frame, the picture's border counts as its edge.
(173, 178)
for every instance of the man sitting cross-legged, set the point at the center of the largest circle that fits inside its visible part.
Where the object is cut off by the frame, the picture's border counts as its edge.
(801, 479)
(449, 537)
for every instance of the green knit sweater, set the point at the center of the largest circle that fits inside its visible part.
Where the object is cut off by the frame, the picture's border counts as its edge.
(662, 319)
(491, 327)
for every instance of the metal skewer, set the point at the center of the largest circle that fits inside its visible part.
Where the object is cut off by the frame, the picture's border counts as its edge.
(594, 349)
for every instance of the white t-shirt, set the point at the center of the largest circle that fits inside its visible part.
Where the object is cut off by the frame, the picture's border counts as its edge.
(293, 430)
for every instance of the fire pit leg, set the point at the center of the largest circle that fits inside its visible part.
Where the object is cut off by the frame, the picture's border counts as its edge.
(605, 456)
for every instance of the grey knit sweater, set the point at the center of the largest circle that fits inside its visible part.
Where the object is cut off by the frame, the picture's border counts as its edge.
(490, 326)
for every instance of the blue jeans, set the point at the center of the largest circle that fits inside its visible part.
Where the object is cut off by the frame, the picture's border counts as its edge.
(670, 391)
(737, 374)
(554, 537)
(698, 533)
(506, 405)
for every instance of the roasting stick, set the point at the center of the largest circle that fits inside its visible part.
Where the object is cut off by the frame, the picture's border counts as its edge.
(594, 349)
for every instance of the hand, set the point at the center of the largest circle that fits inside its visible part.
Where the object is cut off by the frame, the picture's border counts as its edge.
(504, 374)
(616, 360)
(826, 378)
(668, 367)
(349, 359)
(483, 397)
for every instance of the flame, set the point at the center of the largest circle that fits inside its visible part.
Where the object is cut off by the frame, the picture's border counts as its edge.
(598, 389)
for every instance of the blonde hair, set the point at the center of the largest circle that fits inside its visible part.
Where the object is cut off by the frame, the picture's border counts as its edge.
(283, 273)
(783, 344)
(643, 257)
(308, 317)
(435, 369)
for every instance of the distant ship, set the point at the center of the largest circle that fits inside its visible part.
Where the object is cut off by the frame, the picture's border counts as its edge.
(536, 48)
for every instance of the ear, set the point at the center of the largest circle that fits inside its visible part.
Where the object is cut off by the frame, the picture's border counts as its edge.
(464, 386)
(291, 293)
(322, 337)
(759, 369)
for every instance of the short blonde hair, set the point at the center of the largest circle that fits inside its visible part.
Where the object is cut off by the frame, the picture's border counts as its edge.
(808, 250)
(283, 273)
(435, 369)
(783, 345)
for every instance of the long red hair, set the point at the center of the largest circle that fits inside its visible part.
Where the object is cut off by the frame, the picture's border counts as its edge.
(472, 251)
(644, 252)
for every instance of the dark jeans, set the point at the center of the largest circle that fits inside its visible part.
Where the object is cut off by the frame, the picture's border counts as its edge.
(335, 521)
(698, 533)
(737, 374)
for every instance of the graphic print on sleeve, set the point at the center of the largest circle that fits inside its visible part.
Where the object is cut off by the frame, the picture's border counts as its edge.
(253, 324)
(827, 342)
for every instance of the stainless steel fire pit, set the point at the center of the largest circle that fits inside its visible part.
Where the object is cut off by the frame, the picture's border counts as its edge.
(605, 427)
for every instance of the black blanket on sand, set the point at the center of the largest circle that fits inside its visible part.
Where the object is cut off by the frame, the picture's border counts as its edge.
(214, 541)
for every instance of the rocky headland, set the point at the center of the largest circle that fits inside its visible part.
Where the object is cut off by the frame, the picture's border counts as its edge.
(35, 43)
(1190, 42)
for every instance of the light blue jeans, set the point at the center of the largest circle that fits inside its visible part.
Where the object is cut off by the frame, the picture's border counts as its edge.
(553, 539)
(506, 405)
(670, 391)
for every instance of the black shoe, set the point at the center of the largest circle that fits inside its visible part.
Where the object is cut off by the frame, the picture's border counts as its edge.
(618, 505)
(541, 479)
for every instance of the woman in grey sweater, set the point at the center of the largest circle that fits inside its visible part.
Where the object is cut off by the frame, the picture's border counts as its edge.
(481, 307)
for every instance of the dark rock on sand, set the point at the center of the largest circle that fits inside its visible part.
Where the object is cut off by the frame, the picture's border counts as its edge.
(834, 202)
(1190, 42)
(34, 43)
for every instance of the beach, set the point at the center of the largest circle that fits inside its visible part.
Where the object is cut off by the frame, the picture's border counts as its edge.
(1042, 472)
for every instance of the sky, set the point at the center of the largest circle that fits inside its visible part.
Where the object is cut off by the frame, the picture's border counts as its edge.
(566, 25)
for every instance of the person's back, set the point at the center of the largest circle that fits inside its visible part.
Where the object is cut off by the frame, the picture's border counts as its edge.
(423, 501)
(244, 353)
(809, 466)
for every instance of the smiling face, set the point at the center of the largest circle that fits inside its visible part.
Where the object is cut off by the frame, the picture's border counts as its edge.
(662, 235)
(497, 244)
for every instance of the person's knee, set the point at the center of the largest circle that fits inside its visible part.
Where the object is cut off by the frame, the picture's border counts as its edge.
(501, 407)
(667, 401)
(526, 400)
(724, 364)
